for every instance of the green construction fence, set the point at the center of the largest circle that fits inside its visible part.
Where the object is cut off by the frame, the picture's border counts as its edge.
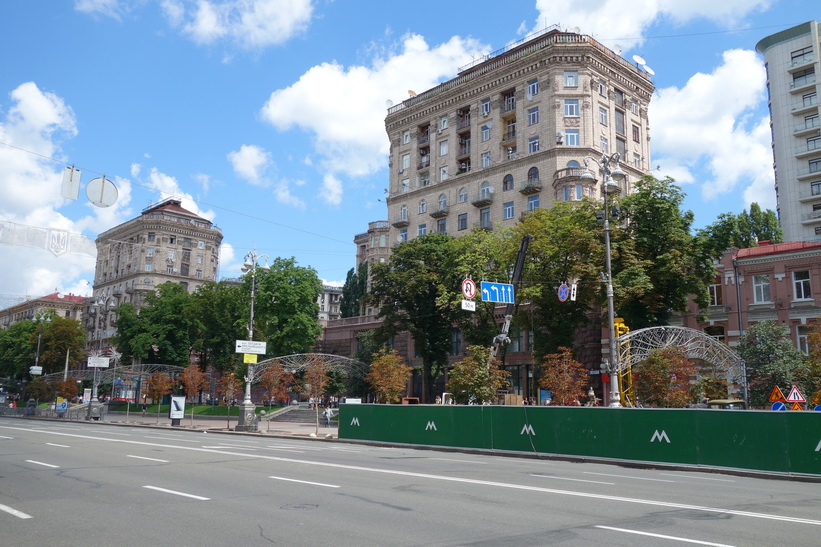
(783, 442)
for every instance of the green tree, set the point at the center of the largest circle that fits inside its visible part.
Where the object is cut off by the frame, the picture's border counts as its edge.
(388, 376)
(62, 337)
(658, 263)
(220, 313)
(414, 292)
(286, 309)
(566, 248)
(743, 230)
(353, 291)
(16, 350)
(476, 379)
(771, 360)
(664, 379)
(565, 377)
(813, 381)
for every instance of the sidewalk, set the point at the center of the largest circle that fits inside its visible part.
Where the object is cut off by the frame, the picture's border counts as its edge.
(222, 425)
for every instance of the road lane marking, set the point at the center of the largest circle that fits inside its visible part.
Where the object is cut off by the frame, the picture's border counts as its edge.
(168, 439)
(58, 445)
(697, 478)
(41, 463)
(183, 494)
(569, 479)
(661, 536)
(15, 512)
(305, 482)
(457, 461)
(445, 478)
(144, 458)
(626, 477)
(221, 446)
(4, 437)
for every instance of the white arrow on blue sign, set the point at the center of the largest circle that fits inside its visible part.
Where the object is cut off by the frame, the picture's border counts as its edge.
(497, 292)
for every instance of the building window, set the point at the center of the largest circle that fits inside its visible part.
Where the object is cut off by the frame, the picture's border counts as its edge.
(200, 259)
(443, 174)
(636, 133)
(634, 107)
(604, 145)
(636, 160)
(813, 143)
(184, 269)
(485, 107)
(485, 133)
(200, 245)
(761, 288)
(621, 147)
(443, 202)
(455, 342)
(533, 203)
(172, 240)
(462, 196)
(571, 108)
(171, 255)
(811, 121)
(403, 235)
(149, 251)
(508, 210)
(815, 165)
(462, 221)
(717, 333)
(565, 193)
(405, 137)
(403, 212)
(533, 145)
(485, 159)
(809, 99)
(422, 230)
(803, 77)
(618, 97)
(801, 282)
(423, 206)
(532, 88)
(533, 115)
(715, 294)
(152, 236)
(149, 267)
(441, 226)
(571, 79)
(802, 335)
(619, 117)
(424, 180)
(169, 269)
(511, 152)
(443, 123)
(602, 115)
(507, 183)
(484, 217)
(405, 185)
(579, 192)
(602, 87)
(800, 56)
(533, 175)
(443, 148)
(571, 137)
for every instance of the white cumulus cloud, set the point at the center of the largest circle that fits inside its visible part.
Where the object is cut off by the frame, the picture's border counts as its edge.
(250, 163)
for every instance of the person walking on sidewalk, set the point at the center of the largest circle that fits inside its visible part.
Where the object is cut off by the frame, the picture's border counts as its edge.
(328, 413)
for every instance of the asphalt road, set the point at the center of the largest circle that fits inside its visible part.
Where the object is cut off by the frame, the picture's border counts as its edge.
(96, 484)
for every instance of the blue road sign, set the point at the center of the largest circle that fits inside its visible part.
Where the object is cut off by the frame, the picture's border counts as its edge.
(497, 292)
(778, 405)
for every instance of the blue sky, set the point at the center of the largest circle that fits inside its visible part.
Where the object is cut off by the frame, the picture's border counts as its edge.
(267, 116)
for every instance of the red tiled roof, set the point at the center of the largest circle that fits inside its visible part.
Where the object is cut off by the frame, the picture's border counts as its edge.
(777, 248)
(65, 297)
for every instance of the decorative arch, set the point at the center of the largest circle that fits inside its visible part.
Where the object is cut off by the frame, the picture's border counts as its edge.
(353, 368)
(636, 346)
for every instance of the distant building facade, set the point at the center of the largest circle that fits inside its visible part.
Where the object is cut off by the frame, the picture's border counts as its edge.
(792, 61)
(328, 301)
(779, 282)
(166, 243)
(64, 305)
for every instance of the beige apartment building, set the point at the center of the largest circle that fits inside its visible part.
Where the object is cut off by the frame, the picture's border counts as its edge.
(166, 243)
(510, 133)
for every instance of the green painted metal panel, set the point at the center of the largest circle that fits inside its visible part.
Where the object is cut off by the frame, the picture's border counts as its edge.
(787, 442)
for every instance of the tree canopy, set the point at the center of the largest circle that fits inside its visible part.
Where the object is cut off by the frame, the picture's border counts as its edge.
(771, 360)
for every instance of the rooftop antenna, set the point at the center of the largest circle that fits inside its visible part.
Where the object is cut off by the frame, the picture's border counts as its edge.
(617, 49)
(649, 70)
(389, 103)
(412, 93)
(639, 60)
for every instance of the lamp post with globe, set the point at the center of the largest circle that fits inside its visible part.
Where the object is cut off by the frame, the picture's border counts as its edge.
(247, 411)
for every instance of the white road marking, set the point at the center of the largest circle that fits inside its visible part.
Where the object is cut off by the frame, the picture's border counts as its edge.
(457, 461)
(144, 458)
(305, 482)
(695, 477)
(41, 463)
(4, 437)
(674, 538)
(172, 439)
(229, 446)
(15, 512)
(626, 477)
(58, 445)
(569, 479)
(445, 478)
(158, 489)
(292, 450)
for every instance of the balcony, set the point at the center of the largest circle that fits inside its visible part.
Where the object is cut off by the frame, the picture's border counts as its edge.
(804, 105)
(423, 139)
(401, 221)
(801, 61)
(484, 198)
(463, 124)
(800, 84)
(509, 135)
(532, 186)
(484, 225)
(440, 212)
(424, 163)
(811, 124)
(463, 151)
(508, 105)
(568, 175)
(812, 171)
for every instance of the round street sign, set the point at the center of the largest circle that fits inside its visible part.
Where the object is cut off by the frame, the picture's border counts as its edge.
(564, 292)
(468, 288)
(778, 405)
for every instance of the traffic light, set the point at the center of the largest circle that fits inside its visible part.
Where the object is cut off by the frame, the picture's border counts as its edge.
(620, 328)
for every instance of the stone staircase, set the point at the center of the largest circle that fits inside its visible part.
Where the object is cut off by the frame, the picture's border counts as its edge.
(299, 415)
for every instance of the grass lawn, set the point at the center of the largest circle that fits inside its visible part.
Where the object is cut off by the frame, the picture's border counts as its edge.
(199, 410)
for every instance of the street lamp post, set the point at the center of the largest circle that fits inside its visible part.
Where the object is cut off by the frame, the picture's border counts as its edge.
(611, 175)
(101, 308)
(247, 411)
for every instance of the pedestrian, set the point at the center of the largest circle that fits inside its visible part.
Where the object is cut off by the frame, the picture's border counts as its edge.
(144, 409)
(328, 413)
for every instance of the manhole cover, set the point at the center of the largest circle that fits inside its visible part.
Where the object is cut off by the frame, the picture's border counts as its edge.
(300, 507)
